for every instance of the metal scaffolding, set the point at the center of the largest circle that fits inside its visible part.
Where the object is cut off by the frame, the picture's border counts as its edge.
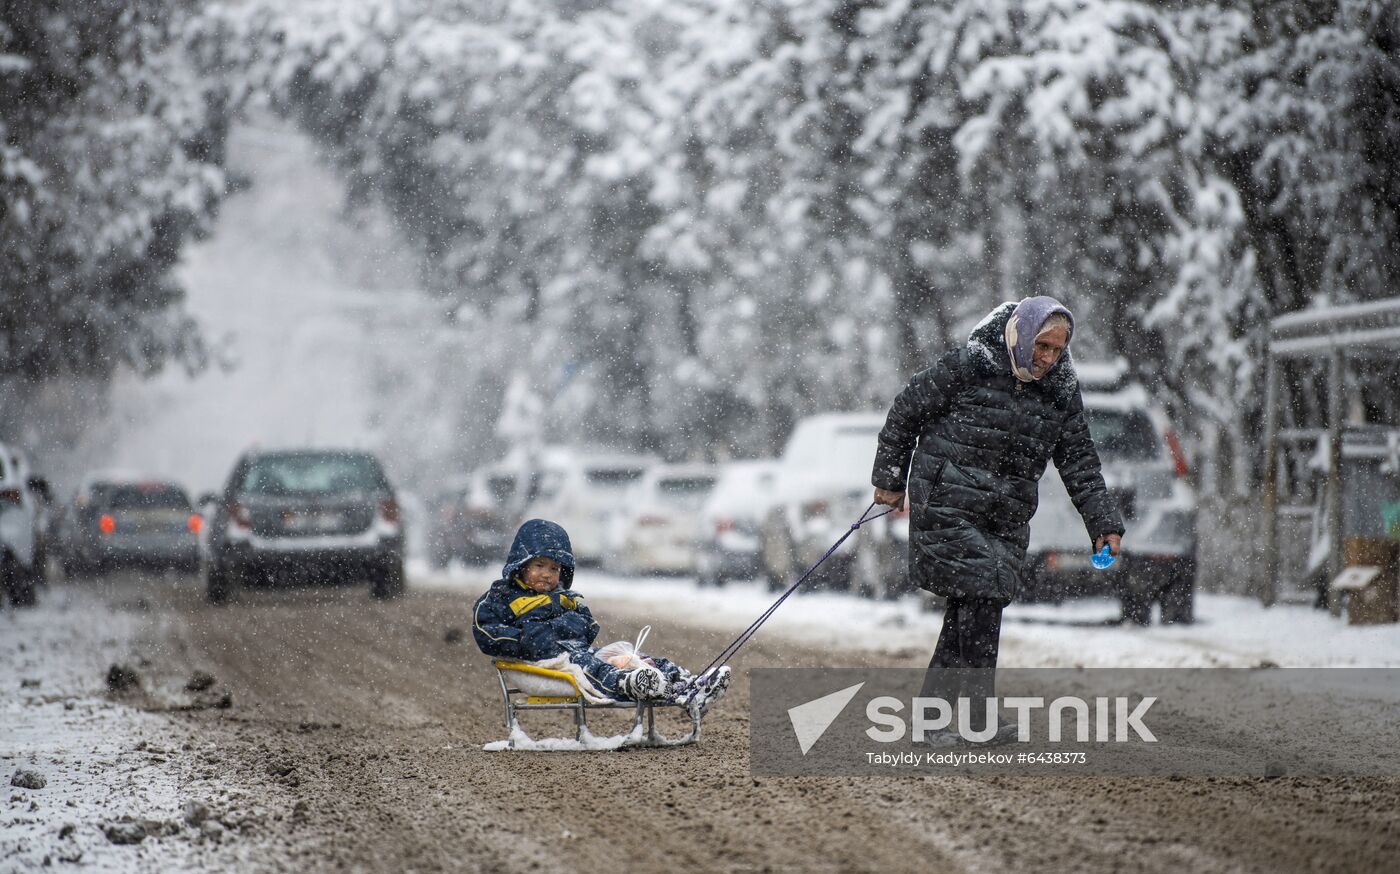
(1335, 334)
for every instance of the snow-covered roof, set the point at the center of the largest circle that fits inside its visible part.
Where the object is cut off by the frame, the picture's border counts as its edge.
(1358, 441)
(119, 475)
(682, 470)
(1353, 327)
(1129, 397)
(1101, 375)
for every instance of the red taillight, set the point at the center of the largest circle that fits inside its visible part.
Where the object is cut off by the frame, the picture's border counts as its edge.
(11, 496)
(107, 524)
(196, 523)
(389, 509)
(238, 514)
(815, 508)
(1178, 457)
(1051, 561)
(724, 525)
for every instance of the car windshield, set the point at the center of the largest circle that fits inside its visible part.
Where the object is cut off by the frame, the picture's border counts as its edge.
(688, 492)
(500, 488)
(1122, 434)
(614, 478)
(845, 449)
(148, 496)
(313, 475)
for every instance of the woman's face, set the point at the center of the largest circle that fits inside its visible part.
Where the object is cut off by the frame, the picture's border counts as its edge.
(540, 574)
(1049, 346)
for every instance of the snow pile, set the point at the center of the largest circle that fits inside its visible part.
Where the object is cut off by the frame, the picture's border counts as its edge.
(587, 742)
(107, 768)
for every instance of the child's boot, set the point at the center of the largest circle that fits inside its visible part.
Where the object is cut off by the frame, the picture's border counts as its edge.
(643, 684)
(709, 689)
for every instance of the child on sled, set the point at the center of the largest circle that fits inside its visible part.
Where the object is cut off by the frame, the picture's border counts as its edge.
(531, 614)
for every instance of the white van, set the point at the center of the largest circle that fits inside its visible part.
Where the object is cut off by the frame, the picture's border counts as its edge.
(21, 567)
(728, 544)
(582, 489)
(821, 486)
(660, 525)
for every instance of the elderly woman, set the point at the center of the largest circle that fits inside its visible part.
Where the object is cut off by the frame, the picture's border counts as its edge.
(979, 426)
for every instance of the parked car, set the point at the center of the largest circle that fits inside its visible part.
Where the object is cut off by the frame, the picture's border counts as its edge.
(492, 509)
(445, 532)
(307, 514)
(22, 535)
(659, 526)
(42, 493)
(474, 520)
(729, 541)
(821, 486)
(1145, 471)
(128, 521)
(582, 489)
(881, 560)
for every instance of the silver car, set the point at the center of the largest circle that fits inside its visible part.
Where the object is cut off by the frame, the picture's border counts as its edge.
(137, 522)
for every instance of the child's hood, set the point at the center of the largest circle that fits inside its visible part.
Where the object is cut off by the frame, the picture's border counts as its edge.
(541, 538)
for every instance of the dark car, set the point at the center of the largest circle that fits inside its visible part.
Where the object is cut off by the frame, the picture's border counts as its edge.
(305, 515)
(1146, 474)
(115, 523)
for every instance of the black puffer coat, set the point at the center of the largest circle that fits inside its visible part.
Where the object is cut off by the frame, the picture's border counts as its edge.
(980, 440)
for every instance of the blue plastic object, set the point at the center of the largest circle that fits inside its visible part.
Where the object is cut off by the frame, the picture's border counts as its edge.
(1101, 559)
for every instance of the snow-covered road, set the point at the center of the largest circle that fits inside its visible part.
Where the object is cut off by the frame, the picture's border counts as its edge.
(353, 741)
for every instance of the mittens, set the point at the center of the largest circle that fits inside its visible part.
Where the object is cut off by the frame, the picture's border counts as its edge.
(572, 626)
(539, 640)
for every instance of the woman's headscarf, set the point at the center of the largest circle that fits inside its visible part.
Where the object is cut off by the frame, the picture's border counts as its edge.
(1025, 325)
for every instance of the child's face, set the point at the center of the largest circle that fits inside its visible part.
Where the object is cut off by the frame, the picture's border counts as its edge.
(540, 574)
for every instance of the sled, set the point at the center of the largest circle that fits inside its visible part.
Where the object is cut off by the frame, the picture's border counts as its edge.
(530, 687)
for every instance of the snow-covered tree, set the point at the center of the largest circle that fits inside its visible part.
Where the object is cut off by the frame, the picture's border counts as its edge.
(109, 161)
(692, 221)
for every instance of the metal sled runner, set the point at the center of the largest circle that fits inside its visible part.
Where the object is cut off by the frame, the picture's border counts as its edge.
(529, 687)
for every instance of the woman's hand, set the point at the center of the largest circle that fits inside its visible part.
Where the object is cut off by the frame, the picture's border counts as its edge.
(1111, 539)
(890, 499)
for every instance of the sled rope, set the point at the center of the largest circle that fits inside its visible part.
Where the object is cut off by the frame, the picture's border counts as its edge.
(728, 652)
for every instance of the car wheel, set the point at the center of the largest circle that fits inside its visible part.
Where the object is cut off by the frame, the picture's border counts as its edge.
(25, 593)
(218, 584)
(778, 559)
(1178, 595)
(41, 564)
(836, 574)
(775, 583)
(439, 557)
(18, 582)
(387, 581)
(1137, 604)
(868, 580)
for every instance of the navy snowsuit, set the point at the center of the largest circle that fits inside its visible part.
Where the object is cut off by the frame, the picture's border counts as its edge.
(512, 621)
